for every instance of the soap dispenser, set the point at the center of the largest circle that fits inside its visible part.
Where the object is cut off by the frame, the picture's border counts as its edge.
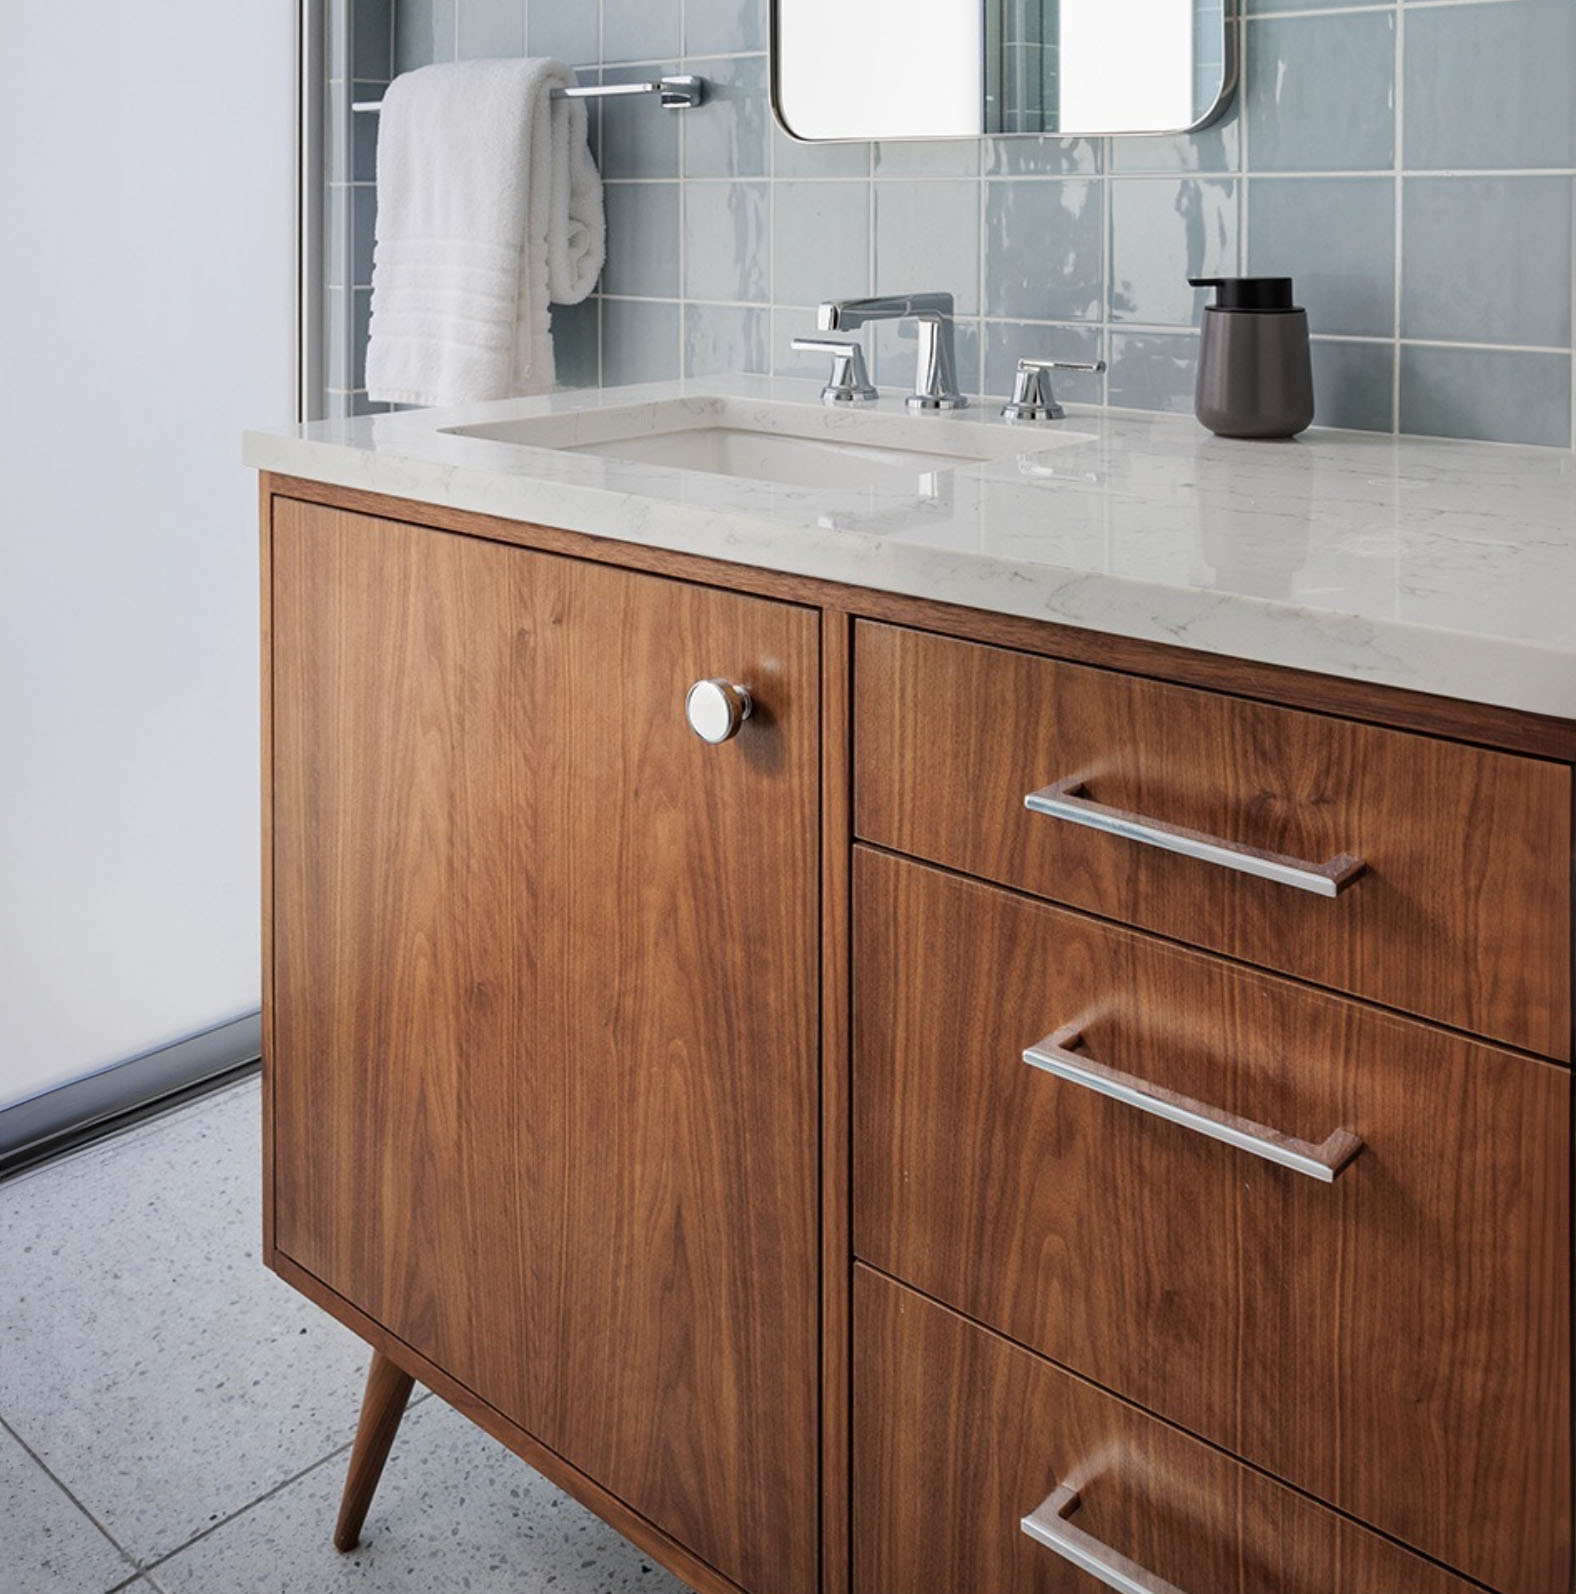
(1255, 374)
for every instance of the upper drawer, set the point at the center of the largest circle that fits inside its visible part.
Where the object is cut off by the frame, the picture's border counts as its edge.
(1391, 1334)
(1461, 913)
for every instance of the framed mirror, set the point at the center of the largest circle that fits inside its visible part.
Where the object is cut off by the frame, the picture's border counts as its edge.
(884, 69)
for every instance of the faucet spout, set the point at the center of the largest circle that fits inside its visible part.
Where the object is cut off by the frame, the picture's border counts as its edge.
(935, 381)
(845, 315)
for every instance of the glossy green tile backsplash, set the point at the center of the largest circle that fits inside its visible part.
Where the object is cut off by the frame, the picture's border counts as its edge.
(1411, 163)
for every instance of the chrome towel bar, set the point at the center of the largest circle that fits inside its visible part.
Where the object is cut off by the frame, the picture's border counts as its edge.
(674, 93)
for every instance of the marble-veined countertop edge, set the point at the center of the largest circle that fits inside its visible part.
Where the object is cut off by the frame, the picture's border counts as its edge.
(1427, 565)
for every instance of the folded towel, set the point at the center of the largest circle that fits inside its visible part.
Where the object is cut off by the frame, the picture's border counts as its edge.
(489, 206)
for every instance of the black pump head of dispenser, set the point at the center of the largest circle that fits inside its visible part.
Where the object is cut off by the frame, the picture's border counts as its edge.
(1248, 293)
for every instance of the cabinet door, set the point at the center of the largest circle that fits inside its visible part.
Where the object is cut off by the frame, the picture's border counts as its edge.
(545, 1004)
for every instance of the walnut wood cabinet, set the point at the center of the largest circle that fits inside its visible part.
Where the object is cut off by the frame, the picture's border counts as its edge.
(846, 1178)
(537, 1109)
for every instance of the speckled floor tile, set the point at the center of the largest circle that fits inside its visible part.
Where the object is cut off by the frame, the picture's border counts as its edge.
(163, 1375)
(454, 1512)
(48, 1546)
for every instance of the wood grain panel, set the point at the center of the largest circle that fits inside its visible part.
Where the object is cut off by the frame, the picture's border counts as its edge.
(546, 1007)
(663, 1549)
(678, 887)
(266, 872)
(959, 1434)
(836, 1091)
(410, 1167)
(1463, 914)
(1396, 1343)
(1541, 735)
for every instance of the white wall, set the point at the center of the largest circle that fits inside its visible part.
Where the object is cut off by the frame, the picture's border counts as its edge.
(146, 263)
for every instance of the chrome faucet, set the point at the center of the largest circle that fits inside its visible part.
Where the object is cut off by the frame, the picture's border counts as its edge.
(936, 374)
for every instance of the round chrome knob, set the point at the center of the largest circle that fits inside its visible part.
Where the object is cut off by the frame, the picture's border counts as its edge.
(716, 709)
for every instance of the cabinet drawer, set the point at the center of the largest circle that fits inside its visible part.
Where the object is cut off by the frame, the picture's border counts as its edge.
(1395, 1340)
(1461, 913)
(958, 1435)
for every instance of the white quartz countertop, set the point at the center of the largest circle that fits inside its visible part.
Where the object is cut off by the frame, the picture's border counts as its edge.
(1439, 566)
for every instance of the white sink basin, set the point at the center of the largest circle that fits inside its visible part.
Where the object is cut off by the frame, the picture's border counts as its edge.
(790, 445)
(774, 457)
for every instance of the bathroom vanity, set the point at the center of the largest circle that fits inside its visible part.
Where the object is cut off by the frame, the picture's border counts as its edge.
(1066, 1082)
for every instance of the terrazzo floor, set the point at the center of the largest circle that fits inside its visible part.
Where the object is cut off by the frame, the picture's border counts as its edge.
(174, 1420)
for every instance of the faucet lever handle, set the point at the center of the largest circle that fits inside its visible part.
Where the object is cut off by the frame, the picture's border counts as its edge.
(1032, 398)
(850, 381)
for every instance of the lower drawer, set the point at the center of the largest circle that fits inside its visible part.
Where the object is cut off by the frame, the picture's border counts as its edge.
(959, 1434)
(1395, 1340)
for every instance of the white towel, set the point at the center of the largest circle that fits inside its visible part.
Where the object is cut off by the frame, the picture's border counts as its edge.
(489, 206)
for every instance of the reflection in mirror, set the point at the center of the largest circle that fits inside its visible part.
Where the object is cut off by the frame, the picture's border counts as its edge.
(850, 69)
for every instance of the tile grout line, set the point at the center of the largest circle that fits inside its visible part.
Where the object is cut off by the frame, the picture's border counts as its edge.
(44, 1467)
(1372, 174)
(601, 123)
(240, 1511)
(147, 1567)
(601, 128)
(1241, 168)
(1244, 160)
(1168, 328)
(1107, 155)
(1397, 200)
(873, 337)
(683, 143)
(1358, 8)
(771, 239)
(981, 266)
(1397, 195)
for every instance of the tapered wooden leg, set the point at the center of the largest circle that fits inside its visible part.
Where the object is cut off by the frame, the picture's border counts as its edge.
(388, 1388)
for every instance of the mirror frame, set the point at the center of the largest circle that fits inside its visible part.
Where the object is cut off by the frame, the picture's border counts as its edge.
(1231, 26)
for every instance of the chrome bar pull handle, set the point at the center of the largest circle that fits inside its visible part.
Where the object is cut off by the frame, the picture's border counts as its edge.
(1057, 1054)
(1047, 1524)
(1065, 800)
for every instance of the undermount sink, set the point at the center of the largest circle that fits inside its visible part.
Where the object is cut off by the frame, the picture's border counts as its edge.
(787, 460)
(788, 445)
